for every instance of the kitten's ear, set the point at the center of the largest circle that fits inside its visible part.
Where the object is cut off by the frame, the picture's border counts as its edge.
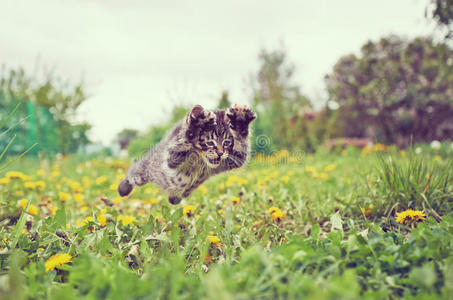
(196, 111)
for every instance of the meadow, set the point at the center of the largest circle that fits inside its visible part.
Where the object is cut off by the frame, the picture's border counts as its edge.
(370, 224)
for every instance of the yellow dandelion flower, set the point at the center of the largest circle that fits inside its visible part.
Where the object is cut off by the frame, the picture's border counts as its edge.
(366, 211)
(221, 211)
(126, 219)
(33, 209)
(285, 179)
(213, 239)
(19, 193)
(75, 186)
(17, 175)
(102, 220)
(117, 200)
(323, 176)
(329, 168)
(272, 210)
(40, 172)
(87, 220)
(55, 173)
(57, 260)
(242, 181)
(278, 216)
(53, 210)
(5, 180)
(203, 190)
(30, 185)
(101, 180)
(235, 199)
(63, 196)
(410, 216)
(40, 185)
(310, 169)
(86, 181)
(23, 203)
(79, 199)
(188, 210)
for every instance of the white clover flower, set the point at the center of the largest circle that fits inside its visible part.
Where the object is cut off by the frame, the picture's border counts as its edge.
(435, 145)
(333, 105)
(418, 150)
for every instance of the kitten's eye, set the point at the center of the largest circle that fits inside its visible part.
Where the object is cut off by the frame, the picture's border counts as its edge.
(226, 143)
(210, 143)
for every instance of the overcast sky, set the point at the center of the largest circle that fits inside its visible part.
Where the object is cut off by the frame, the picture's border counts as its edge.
(139, 58)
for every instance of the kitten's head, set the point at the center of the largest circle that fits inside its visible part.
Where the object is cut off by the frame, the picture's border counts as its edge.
(215, 143)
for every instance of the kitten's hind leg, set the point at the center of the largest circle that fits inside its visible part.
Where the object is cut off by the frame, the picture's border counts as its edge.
(136, 175)
(124, 188)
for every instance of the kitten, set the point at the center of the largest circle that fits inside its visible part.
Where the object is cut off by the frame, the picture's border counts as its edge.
(204, 144)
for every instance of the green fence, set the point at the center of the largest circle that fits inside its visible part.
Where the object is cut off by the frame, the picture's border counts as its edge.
(30, 124)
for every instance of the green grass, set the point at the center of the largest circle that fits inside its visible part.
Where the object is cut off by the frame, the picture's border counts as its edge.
(329, 244)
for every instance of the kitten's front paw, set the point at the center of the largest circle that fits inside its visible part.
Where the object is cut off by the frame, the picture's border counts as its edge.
(239, 118)
(200, 119)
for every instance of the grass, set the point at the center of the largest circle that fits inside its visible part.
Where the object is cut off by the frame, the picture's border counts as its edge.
(335, 234)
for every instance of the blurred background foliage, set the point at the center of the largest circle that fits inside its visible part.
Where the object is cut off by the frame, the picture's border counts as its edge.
(46, 114)
(395, 91)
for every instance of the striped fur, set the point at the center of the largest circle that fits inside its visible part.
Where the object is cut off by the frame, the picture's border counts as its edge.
(204, 144)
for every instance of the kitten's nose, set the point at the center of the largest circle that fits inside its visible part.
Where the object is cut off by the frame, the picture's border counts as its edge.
(219, 151)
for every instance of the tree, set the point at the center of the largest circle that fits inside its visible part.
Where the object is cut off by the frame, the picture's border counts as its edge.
(125, 136)
(442, 12)
(395, 90)
(279, 102)
(143, 142)
(224, 101)
(50, 106)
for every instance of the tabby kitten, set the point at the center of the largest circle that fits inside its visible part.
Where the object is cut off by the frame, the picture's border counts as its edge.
(204, 144)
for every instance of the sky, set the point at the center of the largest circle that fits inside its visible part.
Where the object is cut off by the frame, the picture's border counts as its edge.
(140, 58)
